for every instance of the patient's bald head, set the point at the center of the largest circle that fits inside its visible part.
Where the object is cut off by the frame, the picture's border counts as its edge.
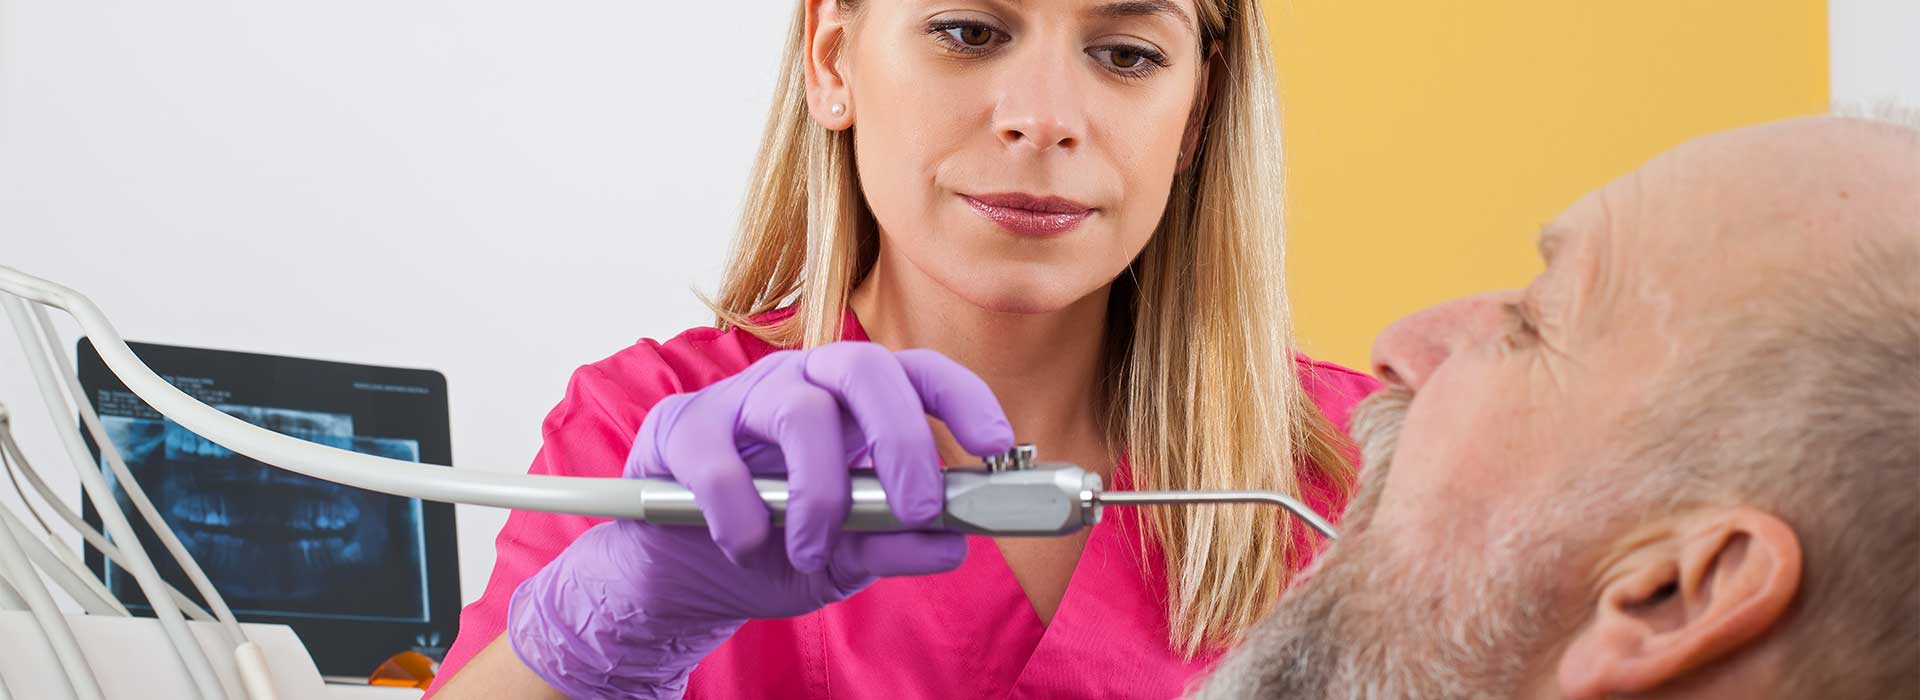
(1684, 461)
(1805, 402)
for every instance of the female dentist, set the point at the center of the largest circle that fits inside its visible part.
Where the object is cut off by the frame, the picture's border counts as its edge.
(1072, 209)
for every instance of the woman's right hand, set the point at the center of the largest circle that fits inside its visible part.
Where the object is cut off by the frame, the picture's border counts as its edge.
(629, 608)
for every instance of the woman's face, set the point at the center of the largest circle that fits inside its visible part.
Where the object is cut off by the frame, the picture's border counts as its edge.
(1017, 153)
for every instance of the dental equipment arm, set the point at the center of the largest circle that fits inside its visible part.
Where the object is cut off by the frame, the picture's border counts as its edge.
(54, 630)
(77, 582)
(92, 537)
(1020, 500)
(109, 453)
(973, 506)
(187, 651)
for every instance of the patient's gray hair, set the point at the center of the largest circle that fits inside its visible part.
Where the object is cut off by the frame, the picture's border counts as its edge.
(1884, 111)
(1808, 405)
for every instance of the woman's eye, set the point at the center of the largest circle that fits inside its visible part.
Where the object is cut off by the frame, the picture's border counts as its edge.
(965, 37)
(972, 36)
(1128, 61)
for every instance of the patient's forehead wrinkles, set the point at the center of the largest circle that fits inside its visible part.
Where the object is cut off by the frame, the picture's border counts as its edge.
(1595, 263)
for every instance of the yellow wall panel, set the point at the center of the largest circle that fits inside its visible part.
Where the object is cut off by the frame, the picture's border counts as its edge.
(1427, 141)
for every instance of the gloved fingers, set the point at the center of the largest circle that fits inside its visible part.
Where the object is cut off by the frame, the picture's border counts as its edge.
(703, 459)
(858, 558)
(804, 420)
(958, 397)
(871, 385)
(643, 459)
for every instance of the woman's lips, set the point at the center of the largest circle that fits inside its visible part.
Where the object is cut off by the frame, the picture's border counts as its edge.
(1028, 215)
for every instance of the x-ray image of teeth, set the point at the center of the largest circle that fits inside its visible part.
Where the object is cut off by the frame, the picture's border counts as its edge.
(271, 540)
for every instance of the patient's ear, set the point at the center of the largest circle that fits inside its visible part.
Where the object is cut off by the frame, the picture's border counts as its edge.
(1688, 599)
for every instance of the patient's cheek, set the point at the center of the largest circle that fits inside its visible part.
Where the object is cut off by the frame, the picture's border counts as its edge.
(1443, 486)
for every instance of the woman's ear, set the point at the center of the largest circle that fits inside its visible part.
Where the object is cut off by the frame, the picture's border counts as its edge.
(1686, 600)
(828, 97)
(1197, 116)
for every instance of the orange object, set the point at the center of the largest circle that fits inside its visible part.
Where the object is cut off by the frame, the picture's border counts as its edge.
(407, 669)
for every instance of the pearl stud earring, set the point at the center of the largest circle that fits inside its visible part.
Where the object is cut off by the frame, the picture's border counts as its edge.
(838, 109)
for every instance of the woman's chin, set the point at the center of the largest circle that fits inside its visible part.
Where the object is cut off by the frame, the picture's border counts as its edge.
(1005, 286)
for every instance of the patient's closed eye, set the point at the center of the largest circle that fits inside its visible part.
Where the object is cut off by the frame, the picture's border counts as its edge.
(1521, 328)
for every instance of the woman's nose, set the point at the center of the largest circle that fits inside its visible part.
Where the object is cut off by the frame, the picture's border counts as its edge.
(1041, 108)
(1408, 352)
(1040, 132)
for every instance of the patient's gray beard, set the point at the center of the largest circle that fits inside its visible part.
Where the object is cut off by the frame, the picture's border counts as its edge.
(1368, 625)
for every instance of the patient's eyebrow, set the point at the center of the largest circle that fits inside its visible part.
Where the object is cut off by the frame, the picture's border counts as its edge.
(1549, 241)
(1145, 8)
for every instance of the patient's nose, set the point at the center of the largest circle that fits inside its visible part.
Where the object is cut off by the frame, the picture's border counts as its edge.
(1408, 352)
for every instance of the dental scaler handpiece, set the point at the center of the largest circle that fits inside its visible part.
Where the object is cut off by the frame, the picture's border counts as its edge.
(1009, 495)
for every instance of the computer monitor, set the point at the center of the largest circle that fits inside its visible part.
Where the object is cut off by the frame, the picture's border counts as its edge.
(359, 575)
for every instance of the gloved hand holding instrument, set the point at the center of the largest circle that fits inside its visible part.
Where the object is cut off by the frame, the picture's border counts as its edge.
(630, 607)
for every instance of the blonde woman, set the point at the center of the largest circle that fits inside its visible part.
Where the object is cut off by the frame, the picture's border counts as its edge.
(1070, 212)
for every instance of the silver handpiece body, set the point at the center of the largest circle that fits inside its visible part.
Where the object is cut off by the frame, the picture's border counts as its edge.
(1039, 498)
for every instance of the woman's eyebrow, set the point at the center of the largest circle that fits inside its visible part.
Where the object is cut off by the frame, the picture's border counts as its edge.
(1144, 8)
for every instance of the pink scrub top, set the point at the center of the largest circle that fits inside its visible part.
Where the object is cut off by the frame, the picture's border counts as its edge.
(968, 633)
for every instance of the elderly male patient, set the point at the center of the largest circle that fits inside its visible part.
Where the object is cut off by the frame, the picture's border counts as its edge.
(1683, 462)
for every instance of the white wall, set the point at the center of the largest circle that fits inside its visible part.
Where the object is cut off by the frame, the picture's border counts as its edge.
(496, 189)
(1875, 51)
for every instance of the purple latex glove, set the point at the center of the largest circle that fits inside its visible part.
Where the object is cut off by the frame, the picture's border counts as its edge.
(629, 608)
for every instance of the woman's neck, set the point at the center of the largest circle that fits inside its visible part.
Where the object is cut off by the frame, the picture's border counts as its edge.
(1044, 367)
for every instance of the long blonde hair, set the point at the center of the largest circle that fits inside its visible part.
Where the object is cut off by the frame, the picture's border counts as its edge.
(1203, 390)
